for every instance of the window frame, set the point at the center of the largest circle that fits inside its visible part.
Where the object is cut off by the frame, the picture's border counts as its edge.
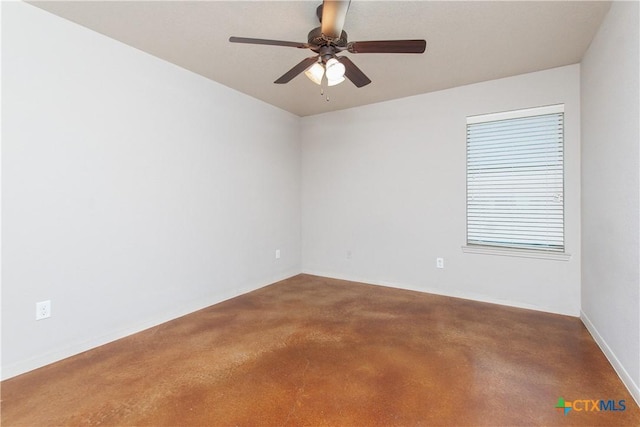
(516, 249)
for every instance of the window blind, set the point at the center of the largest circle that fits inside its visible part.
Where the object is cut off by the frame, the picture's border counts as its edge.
(515, 179)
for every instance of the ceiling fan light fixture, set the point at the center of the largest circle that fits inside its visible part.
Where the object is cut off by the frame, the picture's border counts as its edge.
(315, 73)
(335, 70)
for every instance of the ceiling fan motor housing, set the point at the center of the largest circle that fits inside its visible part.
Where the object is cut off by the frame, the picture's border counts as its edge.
(316, 38)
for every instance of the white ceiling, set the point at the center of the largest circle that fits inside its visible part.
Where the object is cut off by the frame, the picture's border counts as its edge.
(467, 42)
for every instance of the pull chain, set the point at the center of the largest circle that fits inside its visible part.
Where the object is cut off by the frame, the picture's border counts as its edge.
(322, 89)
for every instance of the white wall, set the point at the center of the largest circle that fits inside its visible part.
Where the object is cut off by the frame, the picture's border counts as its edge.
(387, 183)
(133, 191)
(610, 191)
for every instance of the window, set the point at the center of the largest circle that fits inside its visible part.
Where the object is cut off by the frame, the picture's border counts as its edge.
(515, 179)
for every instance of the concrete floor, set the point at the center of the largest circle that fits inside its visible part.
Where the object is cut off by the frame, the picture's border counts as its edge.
(315, 351)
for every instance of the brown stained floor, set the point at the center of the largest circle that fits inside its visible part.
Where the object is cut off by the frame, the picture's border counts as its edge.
(321, 352)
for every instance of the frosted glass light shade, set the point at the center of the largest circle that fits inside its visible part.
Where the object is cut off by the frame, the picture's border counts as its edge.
(335, 70)
(315, 73)
(334, 82)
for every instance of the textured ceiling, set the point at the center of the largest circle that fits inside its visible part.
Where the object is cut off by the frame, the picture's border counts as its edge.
(467, 42)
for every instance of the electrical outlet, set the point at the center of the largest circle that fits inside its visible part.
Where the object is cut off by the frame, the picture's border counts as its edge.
(349, 254)
(277, 253)
(43, 310)
(439, 262)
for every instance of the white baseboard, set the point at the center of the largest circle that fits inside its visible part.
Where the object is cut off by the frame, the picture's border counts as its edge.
(627, 380)
(81, 346)
(437, 291)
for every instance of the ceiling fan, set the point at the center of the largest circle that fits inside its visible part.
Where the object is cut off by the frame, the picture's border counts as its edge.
(327, 41)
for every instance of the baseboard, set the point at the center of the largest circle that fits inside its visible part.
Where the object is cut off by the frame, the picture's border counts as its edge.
(24, 366)
(436, 291)
(627, 380)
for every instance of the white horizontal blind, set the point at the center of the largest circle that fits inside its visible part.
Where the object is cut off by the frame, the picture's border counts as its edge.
(515, 182)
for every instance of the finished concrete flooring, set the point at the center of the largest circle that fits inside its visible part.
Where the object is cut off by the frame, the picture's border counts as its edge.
(317, 352)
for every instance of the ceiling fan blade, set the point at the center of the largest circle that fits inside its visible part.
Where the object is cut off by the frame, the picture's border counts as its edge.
(267, 42)
(353, 73)
(388, 46)
(334, 13)
(299, 68)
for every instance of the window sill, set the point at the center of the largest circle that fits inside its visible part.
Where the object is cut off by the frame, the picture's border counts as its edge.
(522, 253)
